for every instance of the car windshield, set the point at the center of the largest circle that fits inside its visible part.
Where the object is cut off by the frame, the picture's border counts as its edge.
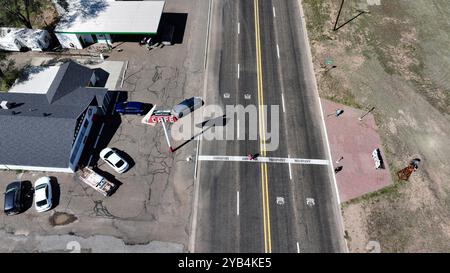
(42, 186)
(42, 203)
(188, 102)
(108, 154)
(120, 163)
(10, 190)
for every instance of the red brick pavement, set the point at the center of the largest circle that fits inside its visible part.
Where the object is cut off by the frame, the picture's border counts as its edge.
(355, 141)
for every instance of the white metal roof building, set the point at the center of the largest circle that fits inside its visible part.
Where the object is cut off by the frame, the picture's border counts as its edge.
(94, 21)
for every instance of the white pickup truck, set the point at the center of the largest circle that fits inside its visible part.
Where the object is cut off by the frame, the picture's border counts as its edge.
(96, 181)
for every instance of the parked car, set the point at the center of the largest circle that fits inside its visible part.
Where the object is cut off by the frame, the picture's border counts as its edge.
(43, 194)
(13, 198)
(187, 106)
(131, 107)
(114, 160)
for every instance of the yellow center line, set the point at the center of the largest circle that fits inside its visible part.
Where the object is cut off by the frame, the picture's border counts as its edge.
(264, 176)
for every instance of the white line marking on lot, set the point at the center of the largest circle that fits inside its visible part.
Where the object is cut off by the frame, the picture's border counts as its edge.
(239, 28)
(274, 15)
(282, 101)
(237, 201)
(238, 70)
(264, 159)
(290, 169)
(298, 247)
(278, 51)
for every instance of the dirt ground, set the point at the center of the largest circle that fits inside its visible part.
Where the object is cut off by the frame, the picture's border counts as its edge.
(393, 57)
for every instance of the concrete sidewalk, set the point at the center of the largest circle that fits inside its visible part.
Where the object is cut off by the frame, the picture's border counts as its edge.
(355, 141)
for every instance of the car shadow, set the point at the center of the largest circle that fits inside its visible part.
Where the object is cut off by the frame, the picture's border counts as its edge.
(27, 195)
(126, 157)
(147, 107)
(56, 191)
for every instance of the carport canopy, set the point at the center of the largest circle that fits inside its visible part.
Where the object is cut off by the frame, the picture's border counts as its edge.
(111, 17)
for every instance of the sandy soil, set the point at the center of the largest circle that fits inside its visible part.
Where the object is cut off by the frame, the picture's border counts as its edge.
(396, 59)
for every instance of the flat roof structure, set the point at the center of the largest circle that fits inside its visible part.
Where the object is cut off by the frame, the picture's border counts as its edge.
(112, 17)
(38, 80)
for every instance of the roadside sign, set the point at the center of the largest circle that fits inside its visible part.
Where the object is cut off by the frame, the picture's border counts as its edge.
(157, 116)
(157, 119)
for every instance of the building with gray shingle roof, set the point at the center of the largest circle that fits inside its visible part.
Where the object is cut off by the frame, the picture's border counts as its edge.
(47, 131)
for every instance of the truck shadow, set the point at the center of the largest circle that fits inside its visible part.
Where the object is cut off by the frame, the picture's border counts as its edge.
(109, 177)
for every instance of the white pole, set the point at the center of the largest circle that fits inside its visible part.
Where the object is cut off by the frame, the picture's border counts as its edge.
(167, 136)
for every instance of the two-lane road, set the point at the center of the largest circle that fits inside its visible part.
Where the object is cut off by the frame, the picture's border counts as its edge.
(258, 58)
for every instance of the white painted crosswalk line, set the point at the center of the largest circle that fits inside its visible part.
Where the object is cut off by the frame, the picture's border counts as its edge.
(264, 160)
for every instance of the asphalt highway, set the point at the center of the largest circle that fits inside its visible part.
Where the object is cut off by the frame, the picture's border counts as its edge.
(258, 56)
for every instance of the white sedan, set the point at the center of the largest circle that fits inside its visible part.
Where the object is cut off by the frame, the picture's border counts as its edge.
(43, 194)
(114, 160)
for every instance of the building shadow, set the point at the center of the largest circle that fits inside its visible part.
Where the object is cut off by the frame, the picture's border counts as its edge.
(104, 129)
(56, 191)
(178, 20)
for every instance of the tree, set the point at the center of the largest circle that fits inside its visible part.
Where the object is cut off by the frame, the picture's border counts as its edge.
(8, 72)
(18, 11)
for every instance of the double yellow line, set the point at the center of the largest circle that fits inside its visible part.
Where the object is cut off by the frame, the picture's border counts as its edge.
(262, 136)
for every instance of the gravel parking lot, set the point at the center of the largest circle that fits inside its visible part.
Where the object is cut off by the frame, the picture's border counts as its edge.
(150, 211)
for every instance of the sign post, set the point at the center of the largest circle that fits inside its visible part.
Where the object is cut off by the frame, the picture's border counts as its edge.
(160, 116)
(167, 136)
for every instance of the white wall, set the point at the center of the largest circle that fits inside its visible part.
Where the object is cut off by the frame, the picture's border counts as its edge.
(83, 134)
(69, 40)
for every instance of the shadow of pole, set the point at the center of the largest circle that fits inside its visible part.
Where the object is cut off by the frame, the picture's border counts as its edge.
(359, 14)
(192, 138)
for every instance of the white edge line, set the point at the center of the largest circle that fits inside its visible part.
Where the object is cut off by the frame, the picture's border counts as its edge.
(238, 70)
(290, 169)
(196, 157)
(193, 235)
(237, 129)
(207, 34)
(237, 201)
(298, 247)
(282, 101)
(274, 14)
(278, 51)
(308, 50)
(239, 27)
